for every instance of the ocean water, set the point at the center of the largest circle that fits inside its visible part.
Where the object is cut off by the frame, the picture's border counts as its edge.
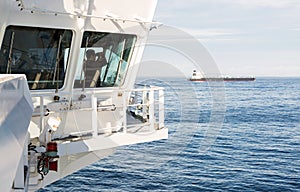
(250, 132)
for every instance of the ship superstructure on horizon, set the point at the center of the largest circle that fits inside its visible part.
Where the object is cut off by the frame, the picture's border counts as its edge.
(197, 76)
(80, 60)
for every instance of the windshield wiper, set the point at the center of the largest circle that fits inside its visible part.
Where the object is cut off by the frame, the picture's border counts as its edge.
(108, 65)
(56, 70)
(120, 61)
(83, 69)
(9, 61)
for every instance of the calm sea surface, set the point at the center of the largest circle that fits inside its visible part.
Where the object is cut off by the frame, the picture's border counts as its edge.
(251, 139)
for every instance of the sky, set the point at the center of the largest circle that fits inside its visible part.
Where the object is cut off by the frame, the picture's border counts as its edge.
(244, 37)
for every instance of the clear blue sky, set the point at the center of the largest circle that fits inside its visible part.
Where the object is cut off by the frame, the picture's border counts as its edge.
(245, 37)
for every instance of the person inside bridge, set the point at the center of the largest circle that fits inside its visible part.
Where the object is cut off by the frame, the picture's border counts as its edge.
(92, 67)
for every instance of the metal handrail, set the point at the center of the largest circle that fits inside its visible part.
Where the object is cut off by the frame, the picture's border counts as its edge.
(148, 108)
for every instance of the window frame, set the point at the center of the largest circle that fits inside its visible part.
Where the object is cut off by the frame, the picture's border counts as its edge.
(109, 51)
(65, 38)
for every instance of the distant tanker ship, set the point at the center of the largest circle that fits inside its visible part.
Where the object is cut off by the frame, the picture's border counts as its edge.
(196, 76)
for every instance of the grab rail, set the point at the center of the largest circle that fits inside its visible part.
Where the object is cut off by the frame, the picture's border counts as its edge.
(145, 104)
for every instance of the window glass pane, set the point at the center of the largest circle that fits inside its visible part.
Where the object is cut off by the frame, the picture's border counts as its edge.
(39, 53)
(103, 59)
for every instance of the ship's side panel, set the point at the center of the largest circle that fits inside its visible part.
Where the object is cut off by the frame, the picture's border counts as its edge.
(83, 113)
(15, 114)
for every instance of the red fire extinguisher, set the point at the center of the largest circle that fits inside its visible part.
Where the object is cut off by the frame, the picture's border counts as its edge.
(52, 156)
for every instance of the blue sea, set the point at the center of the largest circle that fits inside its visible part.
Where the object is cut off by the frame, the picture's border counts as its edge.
(233, 136)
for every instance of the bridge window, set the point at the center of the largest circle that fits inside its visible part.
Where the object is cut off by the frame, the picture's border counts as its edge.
(103, 59)
(39, 53)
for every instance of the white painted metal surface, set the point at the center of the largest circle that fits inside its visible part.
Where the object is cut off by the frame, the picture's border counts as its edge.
(15, 114)
(93, 121)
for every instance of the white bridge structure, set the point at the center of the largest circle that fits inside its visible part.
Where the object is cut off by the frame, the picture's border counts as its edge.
(67, 86)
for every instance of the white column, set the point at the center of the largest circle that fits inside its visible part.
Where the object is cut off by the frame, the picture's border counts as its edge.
(42, 114)
(125, 112)
(151, 109)
(161, 107)
(144, 104)
(94, 116)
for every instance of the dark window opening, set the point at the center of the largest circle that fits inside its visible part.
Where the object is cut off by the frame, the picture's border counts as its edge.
(103, 59)
(39, 53)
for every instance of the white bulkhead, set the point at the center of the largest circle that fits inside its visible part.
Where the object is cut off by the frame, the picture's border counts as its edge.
(80, 59)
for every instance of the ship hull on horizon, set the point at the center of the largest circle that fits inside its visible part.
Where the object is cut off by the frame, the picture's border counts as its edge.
(223, 79)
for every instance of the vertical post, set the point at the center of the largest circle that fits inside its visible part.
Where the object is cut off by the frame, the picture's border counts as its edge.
(151, 108)
(124, 112)
(42, 111)
(144, 103)
(161, 108)
(94, 115)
